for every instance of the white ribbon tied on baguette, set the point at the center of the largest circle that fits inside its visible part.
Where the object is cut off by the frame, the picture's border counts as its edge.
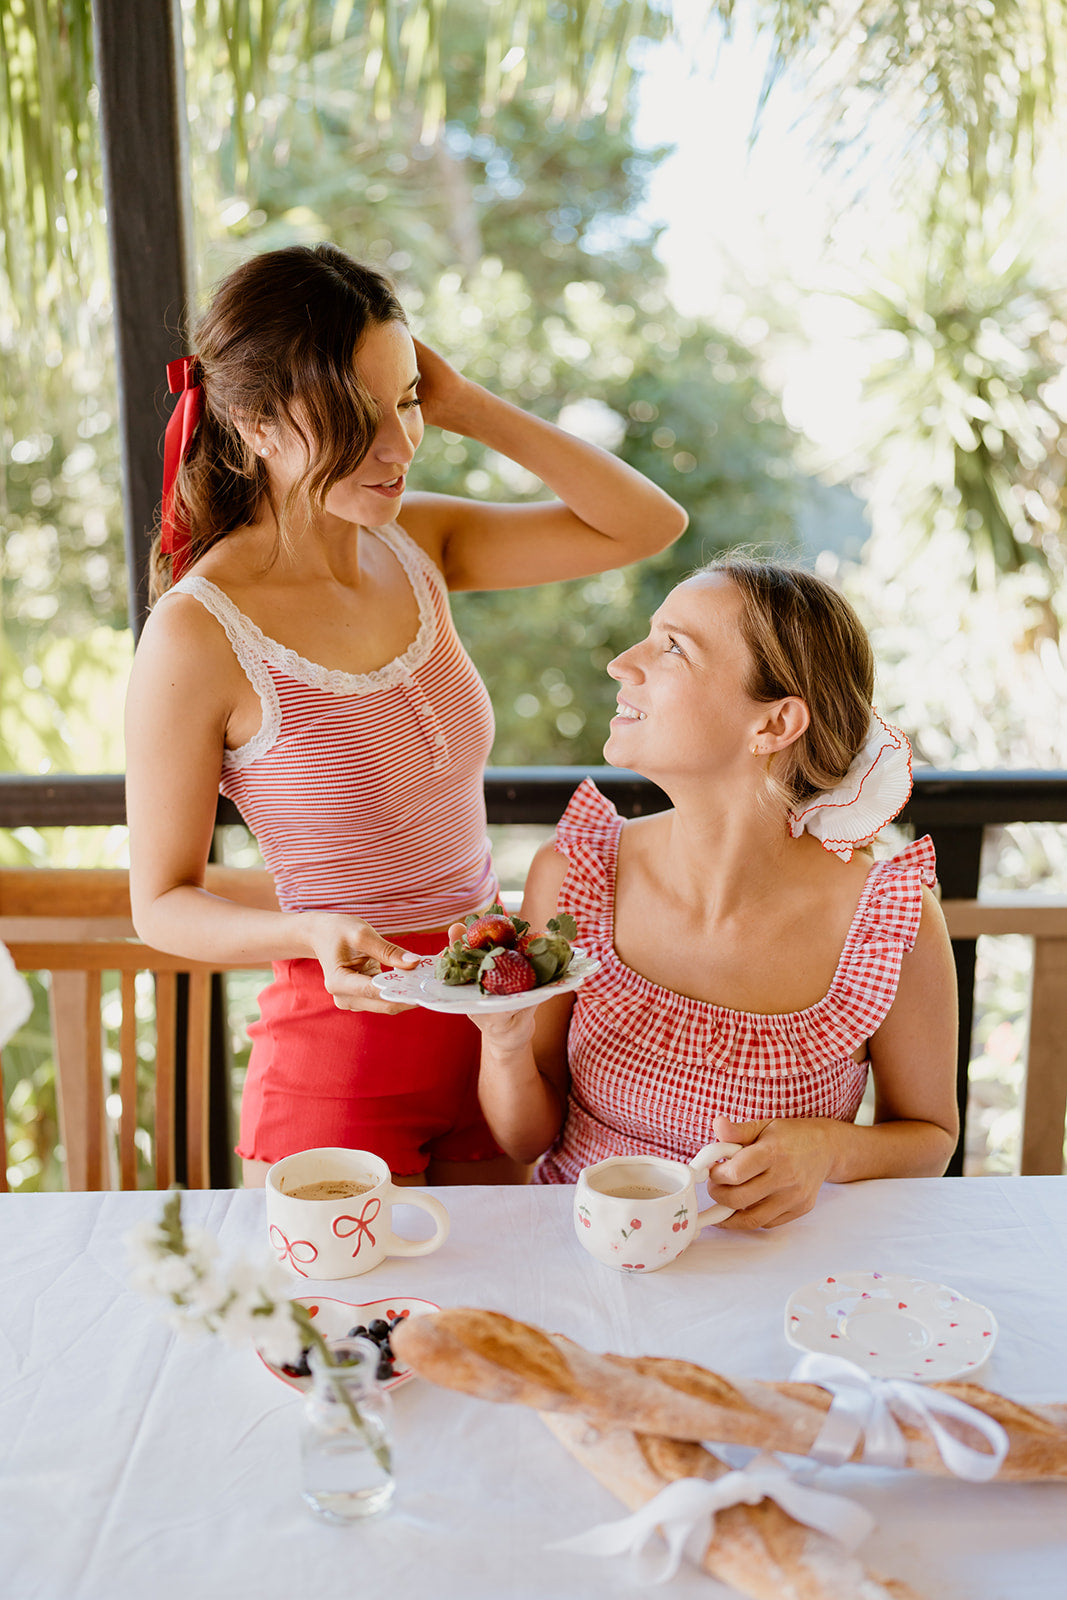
(684, 1513)
(863, 1407)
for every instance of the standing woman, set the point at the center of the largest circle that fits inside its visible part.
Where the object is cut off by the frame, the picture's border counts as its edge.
(303, 660)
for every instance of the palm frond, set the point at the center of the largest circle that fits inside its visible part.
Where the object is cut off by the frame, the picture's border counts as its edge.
(979, 80)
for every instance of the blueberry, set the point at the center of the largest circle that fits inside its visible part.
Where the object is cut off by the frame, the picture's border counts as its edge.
(300, 1368)
(379, 1329)
(359, 1332)
(385, 1369)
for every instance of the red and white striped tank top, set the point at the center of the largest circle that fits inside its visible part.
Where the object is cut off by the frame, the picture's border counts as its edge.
(650, 1069)
(365, 791)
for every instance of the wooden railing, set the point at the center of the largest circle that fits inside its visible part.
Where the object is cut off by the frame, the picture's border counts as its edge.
(955, 808)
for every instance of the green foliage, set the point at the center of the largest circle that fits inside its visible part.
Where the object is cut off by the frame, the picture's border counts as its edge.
(31, 1122)
(50, 176)
(678, 401)
(977, 80)
(971, 402)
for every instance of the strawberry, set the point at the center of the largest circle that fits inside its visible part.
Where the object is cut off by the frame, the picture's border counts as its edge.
(506, 972)
(457, 964)
(492, 929)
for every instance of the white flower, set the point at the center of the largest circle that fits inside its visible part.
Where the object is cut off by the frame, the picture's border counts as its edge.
(245, 1301)
(178, 1318)
(277, 1337)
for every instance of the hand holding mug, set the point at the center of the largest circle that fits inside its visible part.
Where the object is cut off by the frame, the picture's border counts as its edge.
(779, 1171)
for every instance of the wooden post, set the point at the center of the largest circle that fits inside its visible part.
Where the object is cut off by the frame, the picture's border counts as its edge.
(1045, 1093)
(959, 859)
(142, 123)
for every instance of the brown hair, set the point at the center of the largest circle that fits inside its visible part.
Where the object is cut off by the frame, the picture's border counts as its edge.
(804, 640)
(280, 333)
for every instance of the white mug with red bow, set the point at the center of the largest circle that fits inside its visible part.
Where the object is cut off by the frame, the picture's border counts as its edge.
(329, 1213)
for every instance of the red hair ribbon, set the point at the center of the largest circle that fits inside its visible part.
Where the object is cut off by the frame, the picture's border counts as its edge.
(181, 376)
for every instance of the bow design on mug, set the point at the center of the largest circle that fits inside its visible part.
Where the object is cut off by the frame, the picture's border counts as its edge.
(288, 1251)
(360, 1228)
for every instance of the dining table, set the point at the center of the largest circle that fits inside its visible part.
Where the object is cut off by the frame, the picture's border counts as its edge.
(138, 1464)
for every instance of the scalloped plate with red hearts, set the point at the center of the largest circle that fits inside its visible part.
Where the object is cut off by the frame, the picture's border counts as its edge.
(892, 1326)
(334, 1318)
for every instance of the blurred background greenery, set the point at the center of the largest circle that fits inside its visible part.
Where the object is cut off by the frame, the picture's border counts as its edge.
(487, 154)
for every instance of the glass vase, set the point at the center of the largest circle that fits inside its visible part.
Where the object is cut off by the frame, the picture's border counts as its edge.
(346, 1435)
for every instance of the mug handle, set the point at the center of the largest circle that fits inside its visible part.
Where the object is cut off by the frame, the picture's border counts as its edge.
(701, 1165)
(416, 1247)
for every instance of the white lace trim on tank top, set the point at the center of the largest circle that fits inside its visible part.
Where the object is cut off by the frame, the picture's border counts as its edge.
(254, 649)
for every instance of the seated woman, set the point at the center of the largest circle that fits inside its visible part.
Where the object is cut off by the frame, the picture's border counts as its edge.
(754, 962)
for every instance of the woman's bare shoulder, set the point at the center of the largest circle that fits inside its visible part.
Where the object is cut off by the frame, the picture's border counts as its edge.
(430, 519)
(183, 649)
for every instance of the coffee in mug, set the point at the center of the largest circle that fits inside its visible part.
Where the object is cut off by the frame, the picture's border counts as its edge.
(635, 1191)
(329, 1189)
(637, 1213)
(329, 1213)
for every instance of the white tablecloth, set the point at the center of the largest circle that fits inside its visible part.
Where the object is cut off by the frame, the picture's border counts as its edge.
(138, 1466)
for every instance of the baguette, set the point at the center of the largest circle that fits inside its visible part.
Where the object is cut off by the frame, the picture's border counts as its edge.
(492, 1356)
(761, 1550)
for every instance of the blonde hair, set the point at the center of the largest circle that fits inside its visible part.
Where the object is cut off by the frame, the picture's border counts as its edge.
(804, 640)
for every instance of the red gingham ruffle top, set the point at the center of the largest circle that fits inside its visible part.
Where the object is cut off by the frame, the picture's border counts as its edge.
(650, 1069)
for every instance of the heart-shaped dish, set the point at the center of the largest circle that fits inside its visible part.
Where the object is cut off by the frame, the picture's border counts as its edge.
(334, 1318)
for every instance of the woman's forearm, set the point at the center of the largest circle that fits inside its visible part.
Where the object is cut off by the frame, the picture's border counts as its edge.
(190, 921)
(603, 491)
(523, 1108)
(903, 1149)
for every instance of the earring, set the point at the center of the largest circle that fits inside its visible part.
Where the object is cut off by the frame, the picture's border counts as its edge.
(265, 451)
(755, 750)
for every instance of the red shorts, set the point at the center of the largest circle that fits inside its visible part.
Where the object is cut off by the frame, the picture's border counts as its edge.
(404, 1087)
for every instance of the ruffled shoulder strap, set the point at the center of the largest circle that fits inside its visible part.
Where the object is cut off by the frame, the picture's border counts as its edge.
(892, 900)
(246, 641)
(588, 835)
(883, 929)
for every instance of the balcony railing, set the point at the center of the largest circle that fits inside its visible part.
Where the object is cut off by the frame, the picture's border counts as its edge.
(955, 808)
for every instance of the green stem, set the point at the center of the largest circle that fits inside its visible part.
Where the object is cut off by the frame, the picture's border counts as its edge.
(378, 1447)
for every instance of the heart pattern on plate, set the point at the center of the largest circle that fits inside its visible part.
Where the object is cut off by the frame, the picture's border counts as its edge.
(893, 1327)
(334, 1318)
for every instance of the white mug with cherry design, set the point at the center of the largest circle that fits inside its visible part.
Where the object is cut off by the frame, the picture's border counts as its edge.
(637, 1213)
(329, 1213)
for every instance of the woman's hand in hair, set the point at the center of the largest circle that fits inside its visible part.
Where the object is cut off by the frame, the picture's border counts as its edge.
(777, 1176)
(443, 392)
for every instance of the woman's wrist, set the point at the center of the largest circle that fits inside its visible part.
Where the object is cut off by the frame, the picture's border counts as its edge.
(309, 932)
(515, 1061)
(466, 411)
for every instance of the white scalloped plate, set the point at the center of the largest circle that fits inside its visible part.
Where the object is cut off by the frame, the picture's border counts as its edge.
(334, 1317)
(418, 987)
(892, 1326)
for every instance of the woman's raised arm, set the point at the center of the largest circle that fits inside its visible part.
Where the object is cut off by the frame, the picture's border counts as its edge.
(606, 514)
